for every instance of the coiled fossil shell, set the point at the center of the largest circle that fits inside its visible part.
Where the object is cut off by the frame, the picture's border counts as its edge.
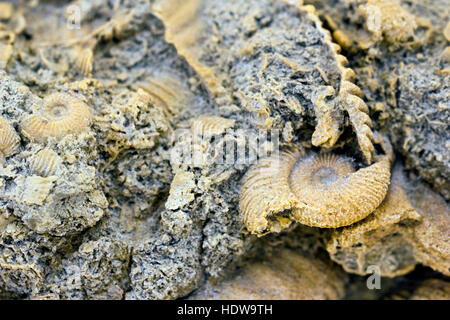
(61, 114)
(321, 190)
(45, 163)
(9, 140)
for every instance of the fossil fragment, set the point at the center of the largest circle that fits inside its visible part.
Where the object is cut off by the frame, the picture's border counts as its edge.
(321, 190)
(167, 92)
(389, 20)
(284, 275)
(37, 189)
(9, 140)
(432, 289)
(183, 29)
(6, 51)
(383, 239)
(45, 162)
(6, 10)
(349, 99)
(61, 114)
(432, 236)
(447, 31)
(392, 23)
(210, 125)
(445, 55)
(84, 60)
(181, 190)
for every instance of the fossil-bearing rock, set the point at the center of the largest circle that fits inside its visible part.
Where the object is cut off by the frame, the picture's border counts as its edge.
(164, 149)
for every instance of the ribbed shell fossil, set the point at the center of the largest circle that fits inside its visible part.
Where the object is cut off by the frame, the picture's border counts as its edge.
(211, 125)
(167, 92)
(84, 59)
(322, 190)
(45, 163)
(9, 140)
(61, 114)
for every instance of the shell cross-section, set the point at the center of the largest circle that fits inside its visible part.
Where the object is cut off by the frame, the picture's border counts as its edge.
(318, 190)
(61, 114)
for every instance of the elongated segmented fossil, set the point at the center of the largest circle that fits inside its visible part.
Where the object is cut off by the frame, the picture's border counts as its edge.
(249, 52)
(319, 190)
(9, 140)
(61, 114)
(349, 99)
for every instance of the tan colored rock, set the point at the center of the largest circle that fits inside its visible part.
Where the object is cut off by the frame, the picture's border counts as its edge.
(445, 55)
(382, 239)
(181, 190)
(6, 51)
(37, 189)
(210, 125)
(6, 10)
(433, 289)
(432, 236)
(447, 31)
(389, 20)
(284, 275)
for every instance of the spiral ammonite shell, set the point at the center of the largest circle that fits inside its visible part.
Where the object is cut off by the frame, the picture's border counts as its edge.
(9, 140)
(320, 190)
(62, 114)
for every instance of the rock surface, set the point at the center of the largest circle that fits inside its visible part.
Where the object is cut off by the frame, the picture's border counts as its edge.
(127, 128)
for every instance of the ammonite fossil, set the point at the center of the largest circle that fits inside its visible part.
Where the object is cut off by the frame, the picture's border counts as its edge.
(60, 115)
(319, 190)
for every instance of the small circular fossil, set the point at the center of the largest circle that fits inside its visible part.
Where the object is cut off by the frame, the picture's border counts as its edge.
(61, 114)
